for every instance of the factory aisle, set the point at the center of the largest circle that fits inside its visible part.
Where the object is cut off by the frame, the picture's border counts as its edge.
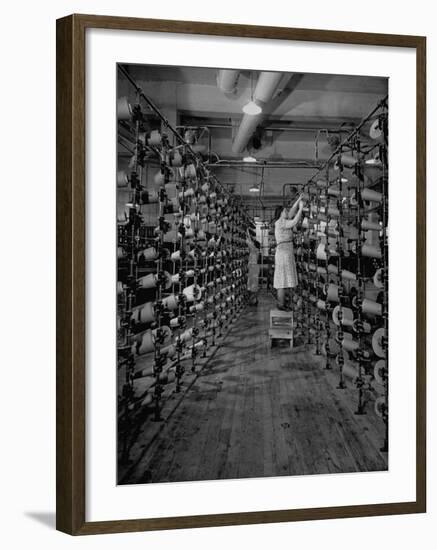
(255, 411)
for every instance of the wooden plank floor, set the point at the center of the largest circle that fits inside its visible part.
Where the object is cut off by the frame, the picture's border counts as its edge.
(255, 411)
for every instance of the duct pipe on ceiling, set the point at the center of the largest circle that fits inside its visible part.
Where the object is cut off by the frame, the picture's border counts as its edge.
(227, 80)
(264, 90)
(266, 86)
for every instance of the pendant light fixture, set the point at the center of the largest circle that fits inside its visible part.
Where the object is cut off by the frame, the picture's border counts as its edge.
(257, 188)
(252, 108)
(249, 158)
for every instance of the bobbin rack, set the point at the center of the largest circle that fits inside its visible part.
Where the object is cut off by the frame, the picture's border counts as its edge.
(342, 263)
(182, 261)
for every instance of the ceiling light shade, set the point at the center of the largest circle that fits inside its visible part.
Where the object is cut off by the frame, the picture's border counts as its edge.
(249, 159)
(254, 189)
(374, 161)
(252, 108)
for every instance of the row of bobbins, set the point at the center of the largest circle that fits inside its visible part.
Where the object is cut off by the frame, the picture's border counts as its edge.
(342, 263)
(182, 260)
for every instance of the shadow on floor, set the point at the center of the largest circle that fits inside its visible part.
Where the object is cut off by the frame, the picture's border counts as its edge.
(46, 518)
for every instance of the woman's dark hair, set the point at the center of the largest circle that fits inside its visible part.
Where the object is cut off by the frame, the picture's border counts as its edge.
(278, 212)
(293, 191)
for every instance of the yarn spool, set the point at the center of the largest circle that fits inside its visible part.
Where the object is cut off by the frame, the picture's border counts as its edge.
(347, 161)
(154, 138)
(371, 195)
(186, 193)
(171, 236)
(331, 292)
(321, 304)
(149, 197)
(333, 211)
(365, 327)
(122, 179)
(348, 275)
(122, 214)
(378, 342)
(144, 313)
(199, 344)
(170, 302)
(124, 109)
(121, 253)
(167, 377)
(371, 307)
(175, 322)
(371, 251)
(167, 280)
(148, 281)
(321, 252)
(347, 316)
(375, 131)
(370, 226)
(148, 254)
(380, 371)
(378, 278)
(146, 343)
(147, 400)
(175, 279)
(185, 336)
(120, 288)
(349, 344)
(372, 174)
(160, 177)
(380, 406)
(169, 351)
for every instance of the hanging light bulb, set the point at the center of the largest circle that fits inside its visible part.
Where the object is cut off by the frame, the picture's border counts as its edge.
(252, 108)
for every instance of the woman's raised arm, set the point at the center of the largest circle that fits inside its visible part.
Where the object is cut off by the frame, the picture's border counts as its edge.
(295, 220)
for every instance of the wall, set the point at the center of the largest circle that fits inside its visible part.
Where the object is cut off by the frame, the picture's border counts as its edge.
(28, 231)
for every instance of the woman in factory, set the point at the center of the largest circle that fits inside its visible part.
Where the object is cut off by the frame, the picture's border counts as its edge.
(285, 277)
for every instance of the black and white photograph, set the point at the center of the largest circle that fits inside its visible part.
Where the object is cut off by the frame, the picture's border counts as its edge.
(252, 273)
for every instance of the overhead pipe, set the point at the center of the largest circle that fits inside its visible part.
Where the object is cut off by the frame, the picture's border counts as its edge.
(230, 163)
(264, 90)
(227, 80)
(266, 86)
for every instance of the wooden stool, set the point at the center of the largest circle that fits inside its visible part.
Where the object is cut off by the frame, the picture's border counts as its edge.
(281, 326)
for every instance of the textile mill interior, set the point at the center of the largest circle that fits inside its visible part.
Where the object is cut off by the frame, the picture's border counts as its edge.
(252, 274)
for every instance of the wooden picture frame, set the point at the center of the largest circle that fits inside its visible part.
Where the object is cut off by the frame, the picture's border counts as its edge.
(71, 246)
